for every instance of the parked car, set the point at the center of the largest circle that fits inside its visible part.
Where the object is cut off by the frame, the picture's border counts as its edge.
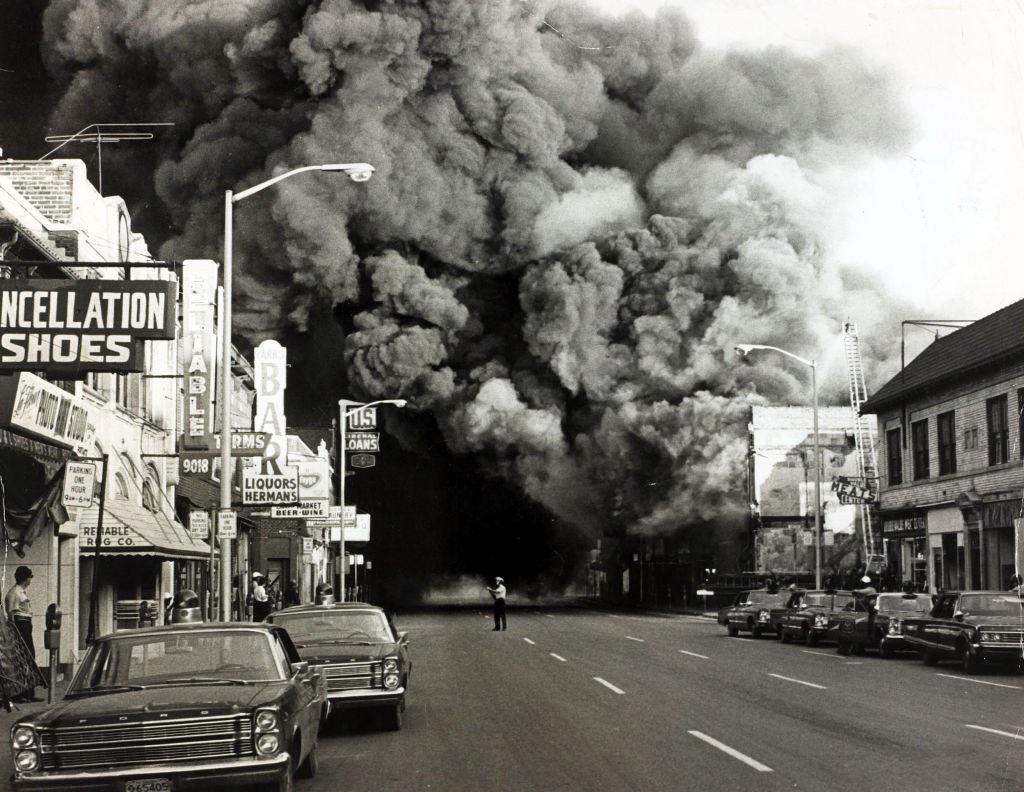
(752, 612)
(176, 707)
(876, 621)
(364, 660)
(972, 627)
(811, 615)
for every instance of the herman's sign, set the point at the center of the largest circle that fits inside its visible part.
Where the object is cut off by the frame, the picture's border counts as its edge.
(86, 325)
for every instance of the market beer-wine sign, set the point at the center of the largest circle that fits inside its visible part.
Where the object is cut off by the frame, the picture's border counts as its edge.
(86, 325)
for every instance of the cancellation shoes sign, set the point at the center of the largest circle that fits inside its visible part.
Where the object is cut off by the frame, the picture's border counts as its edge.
(79, 483)
(61, 326)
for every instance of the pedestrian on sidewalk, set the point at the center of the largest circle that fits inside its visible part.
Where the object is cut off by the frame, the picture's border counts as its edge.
(260, 601)
(18, 608)
(498, 592)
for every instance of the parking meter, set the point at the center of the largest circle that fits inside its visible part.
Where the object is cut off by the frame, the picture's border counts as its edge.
(51, 641)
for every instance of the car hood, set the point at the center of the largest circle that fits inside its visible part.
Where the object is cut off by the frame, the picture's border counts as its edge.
(1003, 622)
(347, 653)
(175, 702)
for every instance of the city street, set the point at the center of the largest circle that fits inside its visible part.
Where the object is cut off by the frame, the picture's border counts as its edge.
(574, 699)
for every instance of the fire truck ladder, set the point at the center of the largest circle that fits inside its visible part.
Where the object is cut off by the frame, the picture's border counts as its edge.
(865, 442)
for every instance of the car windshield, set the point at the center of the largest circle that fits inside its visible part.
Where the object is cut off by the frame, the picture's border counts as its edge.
(899, 603)
(814, 599)
(767, 598)
(225, 657)
(335, 626)
(992, 605)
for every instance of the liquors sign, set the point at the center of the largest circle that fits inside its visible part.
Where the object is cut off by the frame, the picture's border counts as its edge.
(64, 327)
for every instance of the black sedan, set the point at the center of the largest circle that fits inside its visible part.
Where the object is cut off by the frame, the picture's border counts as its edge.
(876, 621)
(182, 706)
(363, 659)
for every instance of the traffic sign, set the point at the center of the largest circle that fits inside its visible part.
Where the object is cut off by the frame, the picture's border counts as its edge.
(198, 524)
(227, 525)
(79, 483)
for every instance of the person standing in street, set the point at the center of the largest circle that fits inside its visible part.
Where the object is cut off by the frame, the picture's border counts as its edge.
(498, 593)
(260, 600)
(18, 608)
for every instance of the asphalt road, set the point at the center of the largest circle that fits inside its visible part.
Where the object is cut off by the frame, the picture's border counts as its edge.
(575, 699)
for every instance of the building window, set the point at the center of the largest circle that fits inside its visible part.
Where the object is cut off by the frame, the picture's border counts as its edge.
(149, 497)
(919, 442)
(997, 434)
(947, 443)
(894, 457)
(1020, 421)
(970, 439)
(120, 487)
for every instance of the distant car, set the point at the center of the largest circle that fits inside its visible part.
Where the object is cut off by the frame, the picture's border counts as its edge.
(753, 611)
(876, 622)
(811, 615)
(364, 660)
(972, 627)
(177, 707)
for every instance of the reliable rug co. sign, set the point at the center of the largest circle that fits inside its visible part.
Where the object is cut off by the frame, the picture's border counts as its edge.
(61, 326)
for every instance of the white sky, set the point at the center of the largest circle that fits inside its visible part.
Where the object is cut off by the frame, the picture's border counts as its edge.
(944, 224)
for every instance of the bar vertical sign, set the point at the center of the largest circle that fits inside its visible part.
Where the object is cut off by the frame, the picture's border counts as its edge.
(270, 365)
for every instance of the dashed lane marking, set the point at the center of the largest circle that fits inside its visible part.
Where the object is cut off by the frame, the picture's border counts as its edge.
(638, 640)
(616, 616)
(853, 662)
(979, 681)
(693, 654)
(558, 657)
(531, 643)
(1011, 735)
(610, 686)
(550, 616)
(799, 681)
(821, 654)
(761, 768)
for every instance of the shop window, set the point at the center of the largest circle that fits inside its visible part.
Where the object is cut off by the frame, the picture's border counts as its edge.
(947, 443)
(995, 413)
(919, 443)
(894, 457)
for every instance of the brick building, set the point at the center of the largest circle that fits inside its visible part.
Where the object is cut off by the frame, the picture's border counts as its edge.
(950, 455)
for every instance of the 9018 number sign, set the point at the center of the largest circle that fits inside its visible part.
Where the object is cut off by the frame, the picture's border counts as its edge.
(195, 465)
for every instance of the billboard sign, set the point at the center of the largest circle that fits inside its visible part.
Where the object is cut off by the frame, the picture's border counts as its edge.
(314, 479)
(270, 366)
(199, 345)
(259, 489)
(79, 484)
(361, 419)
(41, 409)
(852, 491)
(70, 326)
(362, 442)
(304, 510)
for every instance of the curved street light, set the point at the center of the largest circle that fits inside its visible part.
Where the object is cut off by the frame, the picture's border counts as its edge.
(745, 349)
(343, 414)
(358, 172)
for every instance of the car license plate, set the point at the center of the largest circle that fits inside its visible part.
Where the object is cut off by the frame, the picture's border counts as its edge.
(148, 785)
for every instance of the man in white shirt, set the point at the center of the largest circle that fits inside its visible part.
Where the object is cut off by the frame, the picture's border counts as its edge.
(498, 593)
(260, 600)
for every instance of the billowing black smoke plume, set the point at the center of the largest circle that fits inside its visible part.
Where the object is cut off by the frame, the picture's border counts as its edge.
(566, 234)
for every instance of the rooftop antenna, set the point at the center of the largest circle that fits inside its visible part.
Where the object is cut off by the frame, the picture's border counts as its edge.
(100, 134)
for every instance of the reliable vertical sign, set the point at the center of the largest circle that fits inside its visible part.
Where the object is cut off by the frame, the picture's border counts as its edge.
(199, 291)
(66, 327)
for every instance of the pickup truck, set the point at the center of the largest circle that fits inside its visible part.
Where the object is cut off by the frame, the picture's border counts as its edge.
(971, 627)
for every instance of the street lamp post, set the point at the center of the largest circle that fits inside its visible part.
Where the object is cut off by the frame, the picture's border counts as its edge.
(744, 349)
(343, 414)
(358, 172)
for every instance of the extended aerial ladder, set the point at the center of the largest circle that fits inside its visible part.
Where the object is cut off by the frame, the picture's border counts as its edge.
(873, 549)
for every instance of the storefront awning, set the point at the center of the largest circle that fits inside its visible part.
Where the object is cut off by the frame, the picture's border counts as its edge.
(129, 529)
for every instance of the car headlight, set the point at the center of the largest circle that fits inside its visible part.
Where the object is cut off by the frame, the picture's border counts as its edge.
(895, 627)
(267, 744)
(266, 721)
(390, 665)
(391, 681)
(26, 761)
(763, 615)
(821, 621)
(23, 737)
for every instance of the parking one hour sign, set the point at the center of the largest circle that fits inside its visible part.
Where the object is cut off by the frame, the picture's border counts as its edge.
(227, 525)
(79, 482)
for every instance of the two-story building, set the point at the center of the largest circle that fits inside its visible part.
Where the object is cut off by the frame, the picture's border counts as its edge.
(950, 455)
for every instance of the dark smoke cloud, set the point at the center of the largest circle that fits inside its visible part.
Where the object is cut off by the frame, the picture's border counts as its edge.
(560, 246)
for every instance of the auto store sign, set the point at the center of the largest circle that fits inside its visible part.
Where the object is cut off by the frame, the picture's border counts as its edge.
(86, 325)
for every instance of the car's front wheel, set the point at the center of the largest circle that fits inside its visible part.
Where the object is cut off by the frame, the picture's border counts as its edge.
(733, 630)
(885, 649)
(392, 718)
(843, 648)
(284, 783)
(929, 656)
(970, 663)
(786, 636)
